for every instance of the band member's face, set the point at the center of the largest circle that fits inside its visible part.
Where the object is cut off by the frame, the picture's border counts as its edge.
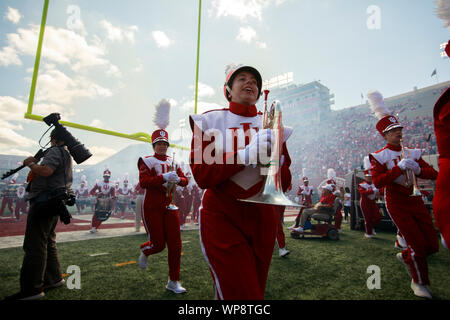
(369, 179)
(306, 183)
(160, 148)
(244, 88)
(106, 178)
(394, 136)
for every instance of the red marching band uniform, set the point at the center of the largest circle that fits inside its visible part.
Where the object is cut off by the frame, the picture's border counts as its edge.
(367, 202)
(237, 238)
(196, 201)
(161, 221)
(9, 194)
(441, 199)
(305, 192)
(389, 167)
(21, 201)
(102, 190)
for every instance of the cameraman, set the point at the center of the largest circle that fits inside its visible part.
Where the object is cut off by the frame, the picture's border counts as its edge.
(49, 193)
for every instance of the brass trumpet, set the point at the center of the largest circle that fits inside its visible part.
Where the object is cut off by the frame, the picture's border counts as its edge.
(171, 186)
(410, 177)
(271, 192)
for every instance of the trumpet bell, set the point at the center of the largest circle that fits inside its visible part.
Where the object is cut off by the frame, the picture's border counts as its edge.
(270, 195)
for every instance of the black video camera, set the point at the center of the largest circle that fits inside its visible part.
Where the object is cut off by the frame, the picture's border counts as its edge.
(77, 150)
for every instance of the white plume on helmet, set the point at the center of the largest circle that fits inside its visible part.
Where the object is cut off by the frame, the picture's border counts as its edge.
(304, 172)
(161, 117)
(331, 174)
(443, 11)
(377, 104)
(230, 67)
(366, 163)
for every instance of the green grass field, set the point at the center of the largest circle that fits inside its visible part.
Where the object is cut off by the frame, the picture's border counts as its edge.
(316, 269)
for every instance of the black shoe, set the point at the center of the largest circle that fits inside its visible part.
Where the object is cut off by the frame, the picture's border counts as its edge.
(37, 294)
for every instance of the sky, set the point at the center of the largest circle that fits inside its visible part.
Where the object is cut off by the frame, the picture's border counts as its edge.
(107, 63)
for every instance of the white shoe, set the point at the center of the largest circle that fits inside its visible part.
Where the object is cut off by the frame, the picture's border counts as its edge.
(368, 235)
(420, 290)
(291, 227)
(93, 230)
(373, 232)
(400, 243)
(400, 258)
(283, 252)
(143, 259)
(299, 229)
(443, 242)
(175, 286)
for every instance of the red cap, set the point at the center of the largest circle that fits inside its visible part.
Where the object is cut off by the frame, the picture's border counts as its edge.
(367, 173)
(107, 173)
(305, 179)
(160, 135)
(387, 123)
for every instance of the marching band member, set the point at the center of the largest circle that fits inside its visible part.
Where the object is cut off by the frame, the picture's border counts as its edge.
(21, 201)
(138, 196)
(389, 167)
(102, 190)
(441, 200)
(196, 201)
(367, 202)
(237, 238)
(306, 191)
(124, 195)
(161, 223)
(82, 194)
(9, 193)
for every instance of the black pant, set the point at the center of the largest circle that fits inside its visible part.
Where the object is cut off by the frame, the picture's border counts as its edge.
(40, 265)
(346, 212)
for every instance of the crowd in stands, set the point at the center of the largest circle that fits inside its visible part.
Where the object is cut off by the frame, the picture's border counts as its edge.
(343, 139)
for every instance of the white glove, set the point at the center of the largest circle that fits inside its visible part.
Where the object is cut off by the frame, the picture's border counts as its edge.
(174, 179)
(414, 166)
(168, 176)
(403, 164)
(262, 139)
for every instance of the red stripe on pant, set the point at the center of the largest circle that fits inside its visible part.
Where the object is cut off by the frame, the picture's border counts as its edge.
(441, 200)
(163, 227)
(415, 224)
(237, 241)
(371, 214)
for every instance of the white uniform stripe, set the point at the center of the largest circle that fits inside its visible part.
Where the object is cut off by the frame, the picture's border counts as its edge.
(144, 220)
(216, 279)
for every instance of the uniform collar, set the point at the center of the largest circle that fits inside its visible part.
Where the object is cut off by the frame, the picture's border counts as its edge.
(394, 148)
(159, 157)
(243, 110)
